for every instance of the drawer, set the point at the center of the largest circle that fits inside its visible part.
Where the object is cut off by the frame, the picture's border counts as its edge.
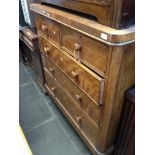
(82, 122)
(28, 42)
(46, 47)
(49, 28)
(84, 78)
(82, 100)
(92, 53)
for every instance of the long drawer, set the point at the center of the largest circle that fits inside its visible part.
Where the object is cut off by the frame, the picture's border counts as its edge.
(84, 102)
(49, 28)
(92, 53)
(75, 114)
(84, 78)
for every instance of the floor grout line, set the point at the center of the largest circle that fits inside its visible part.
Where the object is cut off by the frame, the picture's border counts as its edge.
(68, 136)
(41, 124)
(25, 84)
(65, 131)
(51, 118)
(49, 107)
(33, 80)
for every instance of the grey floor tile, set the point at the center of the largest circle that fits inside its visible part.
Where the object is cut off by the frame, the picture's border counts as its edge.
(24, 77)
(40, 91)
(24, 81)
(22, 71)
(28, 68)
(32, 75)
(50, 139)
(71, 133)
(31, 116)
(47, 130)
(28, 93)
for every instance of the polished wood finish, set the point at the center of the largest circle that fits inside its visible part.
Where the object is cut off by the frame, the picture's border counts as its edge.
(113, 13)
(95, 89)
(49, 28)
(84, 49)
(121, 76)
(82, 99)
(88, 27)
(79, 74)
(77, 115)
(125, 144)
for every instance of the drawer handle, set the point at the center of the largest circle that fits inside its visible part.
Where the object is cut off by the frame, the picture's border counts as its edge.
(78, 97)
(77, 50)
(46, 49)
(51, 70)
(74, 74)
(53, 89)
(78, 118)
(77, 47)
(44, 28)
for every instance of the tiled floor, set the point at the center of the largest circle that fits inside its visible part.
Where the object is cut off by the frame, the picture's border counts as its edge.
(46, 129)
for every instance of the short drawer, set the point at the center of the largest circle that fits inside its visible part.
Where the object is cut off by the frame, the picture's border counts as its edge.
(92, 53)
(83, 77)
(49, 28)
(77, 116)
(82, 100)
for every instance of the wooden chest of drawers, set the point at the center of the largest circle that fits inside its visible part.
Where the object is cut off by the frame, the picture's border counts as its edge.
(113, 13)
(85, 74)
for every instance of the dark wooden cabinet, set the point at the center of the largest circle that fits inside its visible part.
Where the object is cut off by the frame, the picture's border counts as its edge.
(126, 136)
(114, 13)
(30, 52)
(24, 51)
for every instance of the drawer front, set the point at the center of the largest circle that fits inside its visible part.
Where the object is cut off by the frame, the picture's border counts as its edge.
(49, 28)
(28, 42)
(92, 53)
(46, 47)
(87, 80)
(84, 78)
(76, 115)
(84, 102)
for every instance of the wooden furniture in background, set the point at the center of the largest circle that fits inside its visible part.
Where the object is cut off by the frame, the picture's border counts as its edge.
(31, 52)
(125, 144)
(114, 13)
(25, 55)
(86, 82)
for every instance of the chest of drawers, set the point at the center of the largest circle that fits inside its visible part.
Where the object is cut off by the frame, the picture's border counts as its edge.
(114, 13)
(86, 74)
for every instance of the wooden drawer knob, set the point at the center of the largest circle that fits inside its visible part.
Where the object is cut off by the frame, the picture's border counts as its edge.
(74, 74)
(44, 28)
(78, 118)
(53, 89)
(46, 49)
(78, 97)
(51, 70)
(77, 47)
(54, 32)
